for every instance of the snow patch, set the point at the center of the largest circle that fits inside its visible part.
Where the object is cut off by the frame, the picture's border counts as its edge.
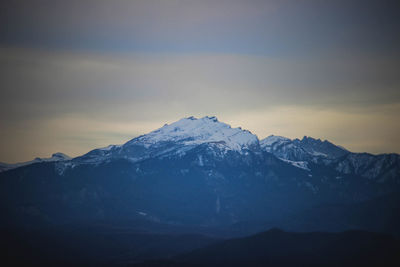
(299, 164)
(192, 131)
(273, 139)
(201, 163)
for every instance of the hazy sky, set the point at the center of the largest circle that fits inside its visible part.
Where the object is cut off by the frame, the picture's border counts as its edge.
(76, 75)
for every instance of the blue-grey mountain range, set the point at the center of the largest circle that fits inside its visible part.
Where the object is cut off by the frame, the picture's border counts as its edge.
(200, 173)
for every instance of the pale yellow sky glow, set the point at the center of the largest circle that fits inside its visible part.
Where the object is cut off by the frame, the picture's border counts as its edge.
(363, 130)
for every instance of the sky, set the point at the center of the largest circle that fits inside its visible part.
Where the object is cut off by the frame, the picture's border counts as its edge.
(78, 75)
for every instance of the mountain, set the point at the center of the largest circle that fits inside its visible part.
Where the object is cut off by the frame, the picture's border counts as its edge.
(55, 157)
(92, 245)
(382, 168)
(198, 173)
(279, 248)
(380, 214)
(177, 139)
(306, 149)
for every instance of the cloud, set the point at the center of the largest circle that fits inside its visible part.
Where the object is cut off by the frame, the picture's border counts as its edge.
(267, 27)
(52, 99)
(60, 82)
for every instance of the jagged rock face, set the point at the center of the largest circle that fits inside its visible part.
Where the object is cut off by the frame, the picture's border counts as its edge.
(385, 167)
(307, 149)
(196, 172)
(382, 168)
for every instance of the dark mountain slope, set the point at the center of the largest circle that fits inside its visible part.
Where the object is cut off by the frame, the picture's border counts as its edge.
(278, 248)
(380, 214)
(90, 245)
(195, 172)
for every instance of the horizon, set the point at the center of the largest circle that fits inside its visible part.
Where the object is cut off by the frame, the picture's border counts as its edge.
(197, 118)
(78, 75)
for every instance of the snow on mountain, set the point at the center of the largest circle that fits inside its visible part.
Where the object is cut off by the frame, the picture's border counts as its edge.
(177, 138)
(193, 131)
(382, 167)
(273, 140)
(97, 155)
(307, 149)
(318, 148)
(301, 152)
(284, 149)
(299, 164)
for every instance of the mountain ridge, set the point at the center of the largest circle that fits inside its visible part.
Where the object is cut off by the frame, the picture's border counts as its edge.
(294, 150)
(188, 173)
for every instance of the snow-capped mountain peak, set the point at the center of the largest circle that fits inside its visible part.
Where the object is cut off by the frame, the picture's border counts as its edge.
(193, 131)
(215, 139)
(317, 147)
(176, 139)
(273, 139)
